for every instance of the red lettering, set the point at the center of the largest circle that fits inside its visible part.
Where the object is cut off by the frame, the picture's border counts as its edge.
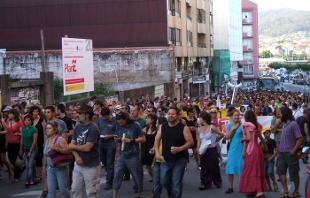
(71, 68)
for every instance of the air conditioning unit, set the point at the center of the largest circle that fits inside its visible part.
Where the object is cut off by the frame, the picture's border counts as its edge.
(250, 60)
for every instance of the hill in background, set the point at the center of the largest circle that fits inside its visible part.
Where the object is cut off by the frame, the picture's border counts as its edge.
(283, 21)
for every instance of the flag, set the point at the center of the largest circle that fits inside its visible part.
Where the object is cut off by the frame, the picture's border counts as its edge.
(218, 101)
(226, 90)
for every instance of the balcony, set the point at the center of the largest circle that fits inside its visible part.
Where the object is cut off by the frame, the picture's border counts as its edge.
(247, 48)
(246, 62)
(246, 21)
(189, 3)
(202, 28)
(202, 45)
(201, 4)
(202, 49)
(247, 34)
(188, 17)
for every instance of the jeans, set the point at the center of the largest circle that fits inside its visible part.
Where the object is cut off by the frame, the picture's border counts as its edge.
(85, 180)
(269, 168)
(157, 185)
(171, 176)
(134, 166)
(57, 176)
(107, 157)
(30, 164)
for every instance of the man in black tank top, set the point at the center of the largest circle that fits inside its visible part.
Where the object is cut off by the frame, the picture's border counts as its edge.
(176, 138)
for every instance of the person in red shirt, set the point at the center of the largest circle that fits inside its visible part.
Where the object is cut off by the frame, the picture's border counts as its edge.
(13, 126)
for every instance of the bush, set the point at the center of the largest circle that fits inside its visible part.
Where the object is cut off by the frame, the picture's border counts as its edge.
(99, 89)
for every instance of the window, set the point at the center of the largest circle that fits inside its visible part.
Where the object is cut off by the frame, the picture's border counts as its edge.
(248, 70)
(174, 36)
(174, 7)
(211, 18)
(201, 18)
(177, 37)
(189, 38)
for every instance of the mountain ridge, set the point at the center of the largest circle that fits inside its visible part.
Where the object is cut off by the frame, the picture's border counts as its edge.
(283, 21)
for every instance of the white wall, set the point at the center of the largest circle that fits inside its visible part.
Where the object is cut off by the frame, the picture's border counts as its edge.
(228, 27)
(235, 30)
(221, 24)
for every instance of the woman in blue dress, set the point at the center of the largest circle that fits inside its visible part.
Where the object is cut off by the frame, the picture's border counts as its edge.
(234, 155)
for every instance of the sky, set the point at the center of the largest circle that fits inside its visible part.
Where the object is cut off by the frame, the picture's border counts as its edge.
(276, 4)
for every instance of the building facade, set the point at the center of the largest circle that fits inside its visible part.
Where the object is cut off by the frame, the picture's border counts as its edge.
(250, 63)
(187, 26)
(227, 36)
(191, 22)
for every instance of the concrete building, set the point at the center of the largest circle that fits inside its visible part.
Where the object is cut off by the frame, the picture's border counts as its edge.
(227, 36)
(120, 27)
(192, 23)
(250, 62)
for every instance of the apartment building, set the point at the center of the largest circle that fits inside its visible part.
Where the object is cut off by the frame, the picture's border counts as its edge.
(227, 41)
(190, 29)
(250, 63)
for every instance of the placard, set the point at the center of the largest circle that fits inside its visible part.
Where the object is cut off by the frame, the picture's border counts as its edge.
(78, 68)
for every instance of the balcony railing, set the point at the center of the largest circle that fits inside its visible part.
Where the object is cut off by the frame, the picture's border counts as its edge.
(247, 34)
(188, 17)
(202, 45)
(246, 21)
(247, 48)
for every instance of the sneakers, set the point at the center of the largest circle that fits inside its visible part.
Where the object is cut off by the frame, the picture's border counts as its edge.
(275, 187)
(107, 187)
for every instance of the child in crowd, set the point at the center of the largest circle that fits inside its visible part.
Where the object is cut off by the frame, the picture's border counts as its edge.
(270, 150)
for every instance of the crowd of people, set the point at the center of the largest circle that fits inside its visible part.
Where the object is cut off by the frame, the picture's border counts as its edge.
(121, 138)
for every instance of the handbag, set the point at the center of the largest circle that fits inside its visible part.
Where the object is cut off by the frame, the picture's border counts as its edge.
(204, 146)
(59, 159)
(20, 163)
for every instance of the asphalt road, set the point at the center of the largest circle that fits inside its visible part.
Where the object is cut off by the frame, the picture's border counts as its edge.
(190, 187)
(298, 88)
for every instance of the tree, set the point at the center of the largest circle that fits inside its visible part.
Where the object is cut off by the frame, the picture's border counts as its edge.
(99, 89)
(289, 68)
(265, 54)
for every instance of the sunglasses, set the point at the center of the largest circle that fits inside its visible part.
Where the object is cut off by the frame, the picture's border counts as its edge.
(213, 112)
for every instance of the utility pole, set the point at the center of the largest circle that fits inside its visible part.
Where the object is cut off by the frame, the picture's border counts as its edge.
(42, 51)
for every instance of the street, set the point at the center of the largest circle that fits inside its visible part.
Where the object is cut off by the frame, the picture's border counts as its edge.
(190, 186)
(288, 86)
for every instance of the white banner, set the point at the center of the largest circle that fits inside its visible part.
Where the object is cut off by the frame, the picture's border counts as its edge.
(78, 68)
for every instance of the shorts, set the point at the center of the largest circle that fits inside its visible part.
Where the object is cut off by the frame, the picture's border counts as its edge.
(287, 160)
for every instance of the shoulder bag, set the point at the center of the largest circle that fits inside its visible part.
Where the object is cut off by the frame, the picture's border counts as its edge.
(59, 159)
(232, 136)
